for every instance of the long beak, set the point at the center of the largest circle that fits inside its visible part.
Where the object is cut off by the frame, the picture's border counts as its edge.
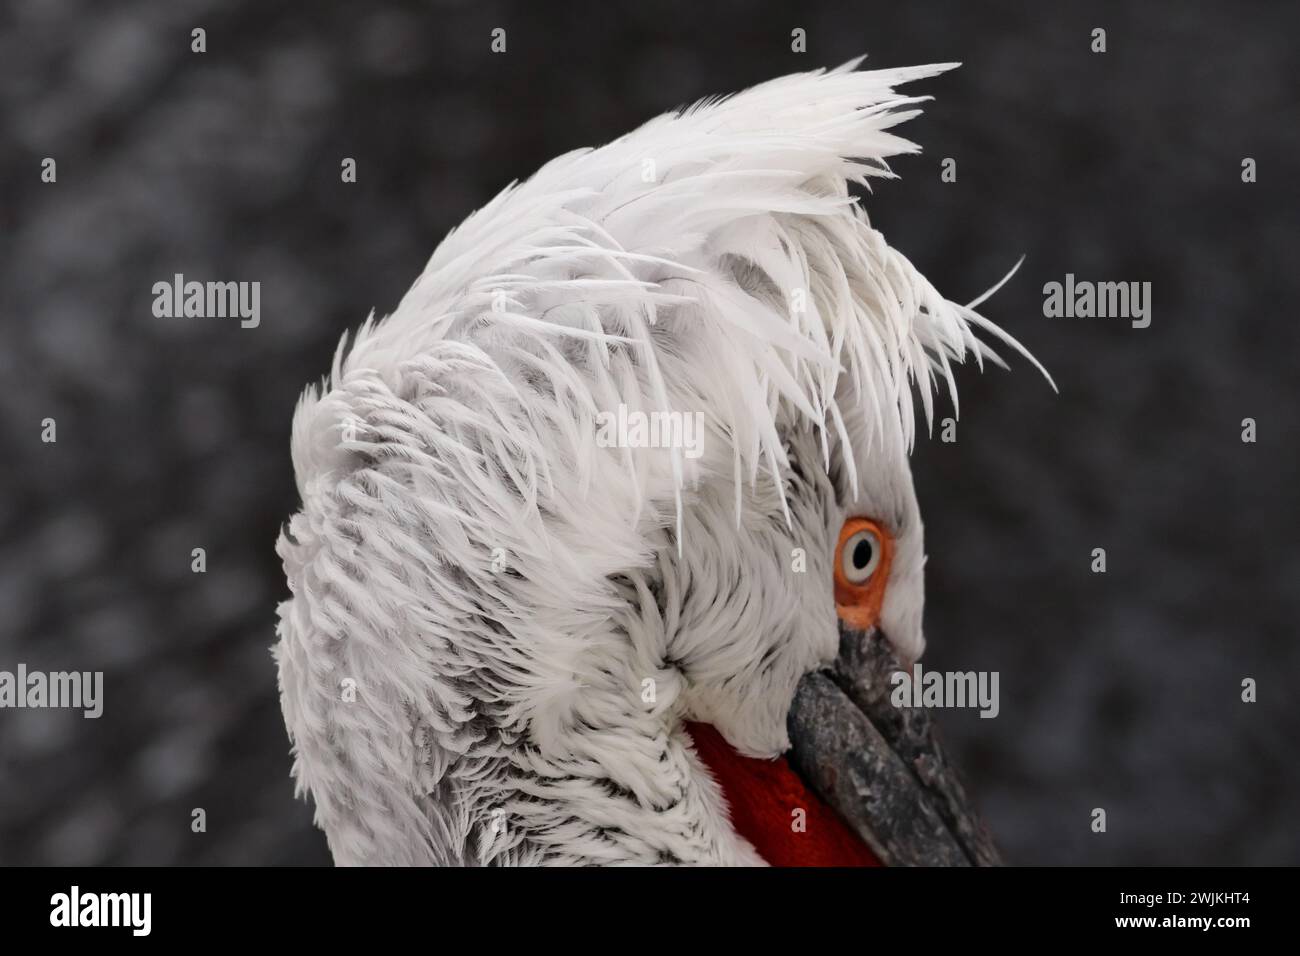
(881, 767)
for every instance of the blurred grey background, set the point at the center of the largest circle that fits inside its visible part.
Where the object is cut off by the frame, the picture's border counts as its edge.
(1119, 691)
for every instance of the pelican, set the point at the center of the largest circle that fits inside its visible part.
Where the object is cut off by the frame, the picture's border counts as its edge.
(519, 635)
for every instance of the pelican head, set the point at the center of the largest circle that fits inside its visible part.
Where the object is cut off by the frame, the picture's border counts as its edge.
(631, 456)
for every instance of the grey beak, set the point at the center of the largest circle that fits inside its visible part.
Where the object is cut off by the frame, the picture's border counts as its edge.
(881, 767)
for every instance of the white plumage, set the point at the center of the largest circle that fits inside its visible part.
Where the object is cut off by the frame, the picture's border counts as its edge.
(524, 618)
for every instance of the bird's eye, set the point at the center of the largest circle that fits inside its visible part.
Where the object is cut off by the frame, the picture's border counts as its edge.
(862, 559)
(860, 556)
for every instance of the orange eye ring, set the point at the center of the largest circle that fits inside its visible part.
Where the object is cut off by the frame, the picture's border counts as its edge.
(863, 556)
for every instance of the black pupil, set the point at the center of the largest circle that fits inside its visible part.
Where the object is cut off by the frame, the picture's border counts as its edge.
(862, 554)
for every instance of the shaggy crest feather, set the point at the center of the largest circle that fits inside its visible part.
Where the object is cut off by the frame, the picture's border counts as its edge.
(499, 588)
